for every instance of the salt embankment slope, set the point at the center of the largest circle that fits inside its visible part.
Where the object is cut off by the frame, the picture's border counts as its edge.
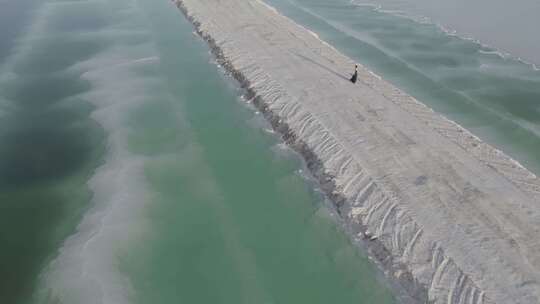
(456, 220)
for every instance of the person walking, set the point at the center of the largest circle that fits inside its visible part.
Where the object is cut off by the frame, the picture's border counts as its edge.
(355, 75)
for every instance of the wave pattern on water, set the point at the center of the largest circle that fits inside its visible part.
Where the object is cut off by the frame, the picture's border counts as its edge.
(119, 76)
(429, 21)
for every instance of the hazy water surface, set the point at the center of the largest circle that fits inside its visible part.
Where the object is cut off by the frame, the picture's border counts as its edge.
(511, 26)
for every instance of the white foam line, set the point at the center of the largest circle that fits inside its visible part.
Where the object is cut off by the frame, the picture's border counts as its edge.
(421, 19)
(375, 75)
(268, 7)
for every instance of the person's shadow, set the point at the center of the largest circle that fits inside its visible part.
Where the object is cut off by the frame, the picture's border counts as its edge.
(321, 66)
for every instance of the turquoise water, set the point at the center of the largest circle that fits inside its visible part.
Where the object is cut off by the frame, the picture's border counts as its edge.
(131, 171)
(497, 98)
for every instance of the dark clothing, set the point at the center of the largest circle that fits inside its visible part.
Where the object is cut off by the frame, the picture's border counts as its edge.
(354, 77)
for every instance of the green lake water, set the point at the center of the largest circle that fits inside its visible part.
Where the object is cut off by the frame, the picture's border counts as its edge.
(131, 171)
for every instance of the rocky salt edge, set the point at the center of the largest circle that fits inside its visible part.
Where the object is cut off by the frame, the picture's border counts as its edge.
(454, 233)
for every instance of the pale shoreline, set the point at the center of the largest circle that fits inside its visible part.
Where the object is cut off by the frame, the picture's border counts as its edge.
(454, 218)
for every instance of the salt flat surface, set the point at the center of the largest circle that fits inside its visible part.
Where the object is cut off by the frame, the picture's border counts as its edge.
(455, 220)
